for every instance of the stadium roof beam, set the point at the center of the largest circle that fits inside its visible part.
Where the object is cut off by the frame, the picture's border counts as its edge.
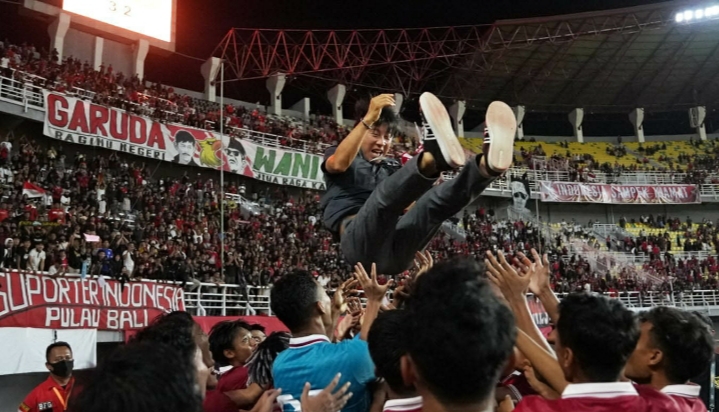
(694, 76)
(477, 64)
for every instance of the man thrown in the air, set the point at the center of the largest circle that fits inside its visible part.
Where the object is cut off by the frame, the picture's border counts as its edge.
(367, 194)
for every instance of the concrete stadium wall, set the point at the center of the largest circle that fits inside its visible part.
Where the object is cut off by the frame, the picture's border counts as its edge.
(119, 55)
(79, 45)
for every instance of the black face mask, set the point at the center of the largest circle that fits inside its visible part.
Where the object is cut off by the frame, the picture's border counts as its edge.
(62, 368)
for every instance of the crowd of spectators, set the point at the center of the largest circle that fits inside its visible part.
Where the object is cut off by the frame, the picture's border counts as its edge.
(695, 168)
(168, 229)
(162, 103)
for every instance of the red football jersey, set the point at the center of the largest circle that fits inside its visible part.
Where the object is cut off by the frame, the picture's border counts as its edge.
(687, 396)
(516, 381)
(216, 400)
(404, 405)
(602, 397)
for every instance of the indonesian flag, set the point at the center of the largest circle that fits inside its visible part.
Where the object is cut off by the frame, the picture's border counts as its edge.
(32, 191)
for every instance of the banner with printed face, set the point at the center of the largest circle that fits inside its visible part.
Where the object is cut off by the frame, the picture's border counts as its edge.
(41, 301)
(618, 194)
(78, 121)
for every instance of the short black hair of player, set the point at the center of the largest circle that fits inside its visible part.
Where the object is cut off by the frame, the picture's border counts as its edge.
(141, 377)
(175, 329)
(387, 343)
(686, 344)
(601, 333)
(461, 334)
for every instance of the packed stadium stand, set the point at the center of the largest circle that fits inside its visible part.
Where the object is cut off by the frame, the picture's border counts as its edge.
(299, 217)
(164, 252)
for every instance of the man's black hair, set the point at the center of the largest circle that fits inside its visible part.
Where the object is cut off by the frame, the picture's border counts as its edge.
(387, 116)
(56, 345)
(293, 297)
(221, 337)
(236, 145)
(184, 136)
(141, 377)
(176, 329)
(601, 333)
(686, 344)
(461, 334)
(387, 343)
(257, 326)
(706, 320)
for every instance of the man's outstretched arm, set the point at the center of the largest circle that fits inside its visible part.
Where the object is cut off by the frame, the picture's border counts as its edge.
(350, 146)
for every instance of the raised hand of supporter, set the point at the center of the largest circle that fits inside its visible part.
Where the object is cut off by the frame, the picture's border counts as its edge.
(354, 306)
(539, 278)
(423, 263)
(352, 318)
(266, 402)
(339, 299)
(512, 283)
(376, 105)
(327, 400)
(400, 295)
(373, 291)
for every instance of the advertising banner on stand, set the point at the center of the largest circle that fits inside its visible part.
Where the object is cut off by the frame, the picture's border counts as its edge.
(618, 194)
(41, 301)
(73, 120)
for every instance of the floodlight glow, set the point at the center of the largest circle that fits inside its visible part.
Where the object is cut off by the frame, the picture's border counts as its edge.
(699, 13)
(680, 17)
(688, 15)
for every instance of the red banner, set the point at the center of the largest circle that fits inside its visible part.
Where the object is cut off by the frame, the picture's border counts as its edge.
(618, 194)
(539, 315)
(40, 301)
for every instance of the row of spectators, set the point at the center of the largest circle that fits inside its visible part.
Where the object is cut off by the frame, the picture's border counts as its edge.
(695, 168)
(168, 228)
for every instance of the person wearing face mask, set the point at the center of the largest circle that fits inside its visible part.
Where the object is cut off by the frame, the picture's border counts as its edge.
(54, 393)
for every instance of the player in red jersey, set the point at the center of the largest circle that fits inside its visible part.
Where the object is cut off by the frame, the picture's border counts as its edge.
(54, 393)
(461, 337)
(673, 347)
(594, 338)
(387, 345)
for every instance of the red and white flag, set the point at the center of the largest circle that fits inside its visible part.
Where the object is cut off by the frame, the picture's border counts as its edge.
(32, 191)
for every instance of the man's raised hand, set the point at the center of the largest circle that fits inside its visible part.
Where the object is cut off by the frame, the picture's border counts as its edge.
(373, 291)
(339, 299)
(423, 262)
(326, 401)
(376, 105)
(512, 283)
(539, 278)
